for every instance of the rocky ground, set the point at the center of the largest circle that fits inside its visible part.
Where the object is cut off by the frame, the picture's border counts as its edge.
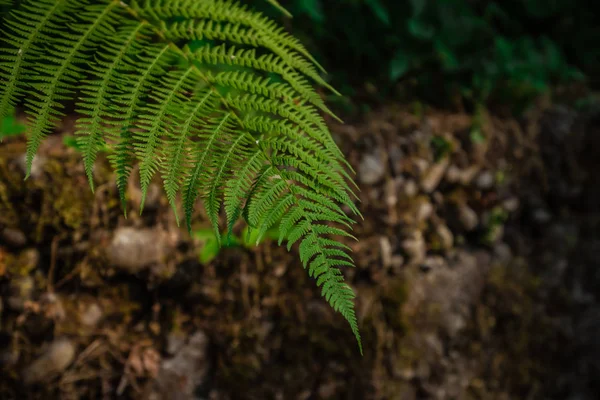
(477, 276)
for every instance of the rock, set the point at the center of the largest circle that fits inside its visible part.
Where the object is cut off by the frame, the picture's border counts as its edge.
(371, 169)
(423, 210)
(468, 217)
(136, 249)
(52, 362)
(37, 166)
(391, 192)
(420, 165)
(502, 252)
(442, 300)
(511, 204)
(432, 177)
(432, 262)
(453, 174)
(175, 341)
(462, 176)
(180, 377)
(410, 188)
(414, 246)
(386, 251)
(91, 315)
(328, 390)
(52, 306)
(13, 237)
(445, 236)
(542, 216)
(397, 261)
(485, 180)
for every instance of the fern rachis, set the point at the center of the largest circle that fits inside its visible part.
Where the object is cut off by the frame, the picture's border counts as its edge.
(235, 122)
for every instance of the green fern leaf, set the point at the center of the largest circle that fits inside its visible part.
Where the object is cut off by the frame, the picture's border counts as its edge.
(235, 123)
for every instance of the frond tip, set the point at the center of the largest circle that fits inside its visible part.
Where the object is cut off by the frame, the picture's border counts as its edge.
(235, 123)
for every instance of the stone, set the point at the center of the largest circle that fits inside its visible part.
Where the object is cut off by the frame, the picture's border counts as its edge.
(433, 176)
(432, 262)
(511, 204)
(442, 300)
(468, 217)
(91, 315)
(414, 246)
(59, 355)
(175, 341)
(423, 211)
(461, 176)
(180, 377)
(13, 237)
(485, 180)
(136, 249)
(386, 251)
(37, 165)
(445, 236)
(410, 188)
(371, 169)
(542, 216)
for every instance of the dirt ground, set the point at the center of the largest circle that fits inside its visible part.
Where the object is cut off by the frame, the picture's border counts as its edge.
(477, 275)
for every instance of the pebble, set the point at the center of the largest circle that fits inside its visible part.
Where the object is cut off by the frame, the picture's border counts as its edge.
(511, 204)
(175, 341)
(410, 188)
(424, 210)
(432, 262)
(445, 235)
(485, 180)
(135, 249)
(53, 307)
(434, 175)
(463, 176)
(13, 237)
(414, 246)
(386, 251)
(53, 361)
(391, 192)
(371, 169)
(180, 377)
(541, 216)
(91, 315)
(468, 218)
(502, 252)
(37, 166)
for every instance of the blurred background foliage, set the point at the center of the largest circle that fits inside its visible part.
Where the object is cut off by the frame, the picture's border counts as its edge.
(445, 52)
(448, 51)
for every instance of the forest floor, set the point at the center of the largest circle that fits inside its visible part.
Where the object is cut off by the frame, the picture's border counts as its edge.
(477, 275)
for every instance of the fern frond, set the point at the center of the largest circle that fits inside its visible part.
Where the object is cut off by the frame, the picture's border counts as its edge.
(95, 104)
(235, 123)
(203, 151)
(154, 59)
(23, 28)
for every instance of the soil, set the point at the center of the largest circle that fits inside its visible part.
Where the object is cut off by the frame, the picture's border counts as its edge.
(477, 275)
